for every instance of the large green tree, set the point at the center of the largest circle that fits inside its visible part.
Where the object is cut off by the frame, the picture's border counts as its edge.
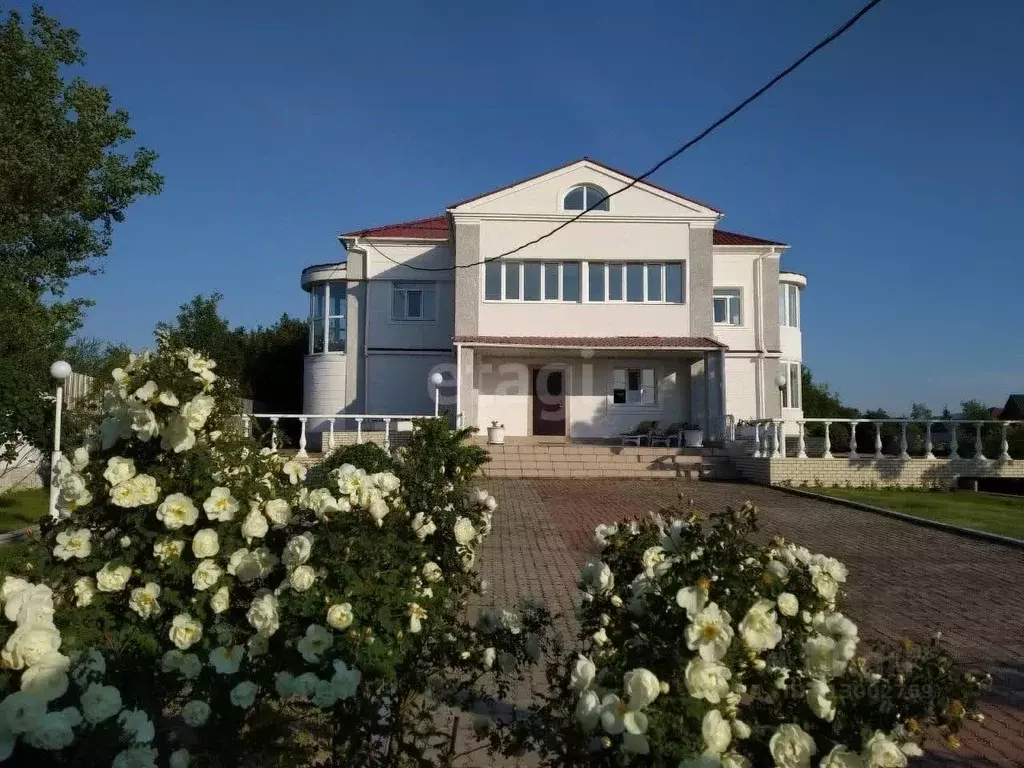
(66, 178)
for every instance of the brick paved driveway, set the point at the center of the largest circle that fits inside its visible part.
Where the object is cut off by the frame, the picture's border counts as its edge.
(905, 580)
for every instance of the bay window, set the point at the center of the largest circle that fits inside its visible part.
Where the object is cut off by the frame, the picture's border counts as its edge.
(327, 318)
(791, 394)
(789, 305)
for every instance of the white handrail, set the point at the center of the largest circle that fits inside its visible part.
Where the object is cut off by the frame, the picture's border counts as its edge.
(303, 418)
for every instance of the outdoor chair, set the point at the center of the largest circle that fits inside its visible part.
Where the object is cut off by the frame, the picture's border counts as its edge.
(667, 435)
(637, 435)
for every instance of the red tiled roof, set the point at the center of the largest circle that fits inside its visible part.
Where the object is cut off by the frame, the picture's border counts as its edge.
(594, 342)
(437, 229)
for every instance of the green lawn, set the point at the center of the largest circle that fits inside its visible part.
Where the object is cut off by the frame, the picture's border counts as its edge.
(22, 509)
(995, 514)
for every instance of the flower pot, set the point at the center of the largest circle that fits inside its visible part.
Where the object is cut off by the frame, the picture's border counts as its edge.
(693, 438)
(496, 435)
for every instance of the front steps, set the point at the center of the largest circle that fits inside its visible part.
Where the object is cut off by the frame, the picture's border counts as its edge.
(573, 460)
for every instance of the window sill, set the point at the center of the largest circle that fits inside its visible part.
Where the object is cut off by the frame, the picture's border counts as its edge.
(737, 326)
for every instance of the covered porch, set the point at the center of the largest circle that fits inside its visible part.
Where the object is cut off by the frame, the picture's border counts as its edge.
(589, 388)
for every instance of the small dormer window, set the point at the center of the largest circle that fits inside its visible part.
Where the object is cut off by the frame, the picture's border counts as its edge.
(586, 197)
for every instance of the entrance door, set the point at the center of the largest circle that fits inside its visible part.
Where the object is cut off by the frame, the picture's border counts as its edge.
(548, 401)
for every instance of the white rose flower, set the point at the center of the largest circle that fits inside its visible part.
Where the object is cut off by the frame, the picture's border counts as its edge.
(113, 578)
(147, 391)
(692, 600)
(820, 699)
(432, 573)
(52, 732)
(387, 482)
(145, 489)
(20, 712)
(100, 702)
(302, 578)
(464, 531)
(788, 604)
(206, 574)
(47, 678)
(248, 565)
(221, 505)
(716, 732)
(641, 688)
(135, 757)
(73, 544)
(220, 601)
(196, 713)
(423, 526)
(168, 549)
(314, 643)
(295, 472)
(197, 410)
(759, 628)
(489, 656)
(254, 526)
(263, 615)
(416, 615)
(143, 600)
(588, 710)
(244, 694)
(191, 666)
(841, 757)
(597, 578)
(278, 511)
(177, 510)
(227, 661)
(824, 582)
(709, 633)
(177, 436)
(284, 684)
(85, 591)
(582, 675)
(125, 495)
(791, 747)
(734, 760)
(297, 550)
(652, 556)
(339, 616)
(345, 681)
(205, 543)
(80, 459)
(119, 470)
(882, 752)
(781, 676)
(324, 695)
(180, 758)
(137, 726)
(740, 729)
(168, 398)
(185, 631)
(707, 680)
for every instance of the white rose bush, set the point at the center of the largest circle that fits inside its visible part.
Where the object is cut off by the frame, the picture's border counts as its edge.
(699, 648)
(197, 603)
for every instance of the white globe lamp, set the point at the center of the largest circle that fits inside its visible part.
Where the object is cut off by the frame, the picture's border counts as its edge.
(437, 380)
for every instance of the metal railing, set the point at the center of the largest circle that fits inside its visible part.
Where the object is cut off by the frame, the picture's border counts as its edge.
(770, 439)
(330, 419)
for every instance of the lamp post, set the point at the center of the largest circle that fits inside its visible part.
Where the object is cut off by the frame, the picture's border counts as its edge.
(437, 380)
(780, 450)
(60, 370)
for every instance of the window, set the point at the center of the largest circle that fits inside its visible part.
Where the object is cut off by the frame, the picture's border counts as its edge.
(791, 394)
(532, 281)
(633, 386)
(727, 306)
(654, 282)
(585, 197)
(412, 301)
(327, 313)
(789, 305)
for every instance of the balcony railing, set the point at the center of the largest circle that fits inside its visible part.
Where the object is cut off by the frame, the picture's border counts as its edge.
(330, 419)
(886, 438)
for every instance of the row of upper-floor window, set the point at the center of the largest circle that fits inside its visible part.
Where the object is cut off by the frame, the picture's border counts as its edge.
(662, 282)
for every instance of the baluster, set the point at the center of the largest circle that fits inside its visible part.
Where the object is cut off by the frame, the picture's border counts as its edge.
(1004, 446)
(330, 436)
(878, 440)
(757, 441)
(801, 445)
(853, 440)
(954, 445)
(979, 451)
(928, 441)
(777, 433)
(828, 442)
(904, 454)
(359, 431)
(273, 434)
(246, 425)
(387, 434)
(302, 437)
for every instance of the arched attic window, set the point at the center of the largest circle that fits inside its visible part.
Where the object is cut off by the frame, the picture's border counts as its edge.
(585, 197)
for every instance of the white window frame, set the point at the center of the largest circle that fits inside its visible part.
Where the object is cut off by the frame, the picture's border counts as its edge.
(644, 265)
(640, 371)
(790, 305)
(785, 394)
(735, 294)
(521, 264)
(405, 287)
(324, 320)
(587, 188)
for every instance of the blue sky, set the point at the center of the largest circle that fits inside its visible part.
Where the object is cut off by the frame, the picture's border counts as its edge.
(891, 162)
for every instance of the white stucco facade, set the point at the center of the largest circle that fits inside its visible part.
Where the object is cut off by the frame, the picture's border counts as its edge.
(641, 310)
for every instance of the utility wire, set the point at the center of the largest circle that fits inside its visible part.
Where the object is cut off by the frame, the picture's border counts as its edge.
(831, 38)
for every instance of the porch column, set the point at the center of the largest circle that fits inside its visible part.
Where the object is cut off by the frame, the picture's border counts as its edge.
(466, 395)
(707, 397)
(720, 374)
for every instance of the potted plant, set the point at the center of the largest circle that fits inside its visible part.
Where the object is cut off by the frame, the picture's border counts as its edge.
(693, 436)
(496, 433)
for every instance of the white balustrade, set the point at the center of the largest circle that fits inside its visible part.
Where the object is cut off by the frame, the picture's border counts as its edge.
(801, 445)
(878, 440)
(273, 433)
(953, 444)
(302, 437)
(928, 447)
(853, 440)
(827, 454)
(904, 454)
(777, 440)
(979, 452)
(757, 441)
(1004, 445)
(328, 436)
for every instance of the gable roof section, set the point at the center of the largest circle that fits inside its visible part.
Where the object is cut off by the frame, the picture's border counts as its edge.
(1014, 408)
(571, 163)
(436, 228)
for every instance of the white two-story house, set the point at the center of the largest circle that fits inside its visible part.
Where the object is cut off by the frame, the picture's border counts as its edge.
(642, 310)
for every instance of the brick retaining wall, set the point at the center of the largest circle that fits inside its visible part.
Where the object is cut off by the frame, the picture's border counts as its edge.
(869, 471)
